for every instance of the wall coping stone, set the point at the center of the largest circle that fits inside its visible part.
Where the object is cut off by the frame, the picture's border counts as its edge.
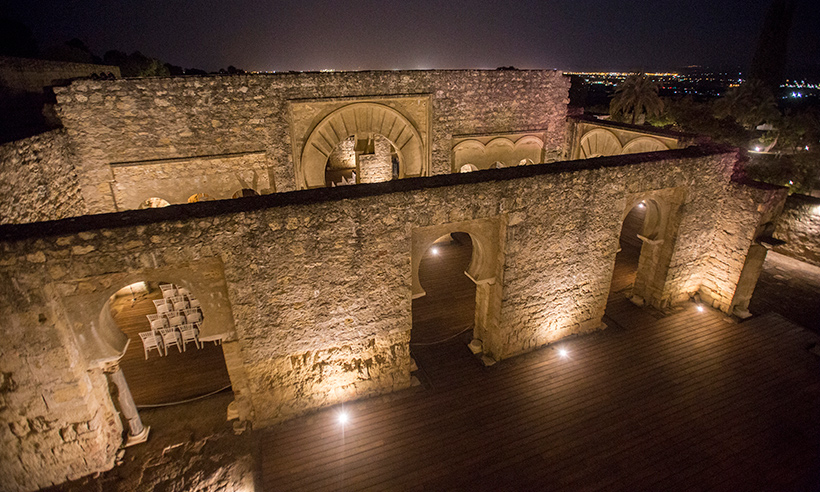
(650, 130)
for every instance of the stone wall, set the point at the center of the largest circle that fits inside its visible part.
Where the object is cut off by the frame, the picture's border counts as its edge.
(799, 226)
(186, 118)
(32, 75)
(38, 180)
(320, 281)
(58, 421)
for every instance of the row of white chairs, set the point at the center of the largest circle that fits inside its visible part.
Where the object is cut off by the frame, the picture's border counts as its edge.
(166, 337)
(176, 303)
(171, 319)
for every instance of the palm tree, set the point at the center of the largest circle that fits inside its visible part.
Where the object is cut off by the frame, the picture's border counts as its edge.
(750, 104)
(636, 95)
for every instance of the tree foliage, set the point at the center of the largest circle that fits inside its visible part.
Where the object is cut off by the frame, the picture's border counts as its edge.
(750, 104)
(136, 64)
(636, 96)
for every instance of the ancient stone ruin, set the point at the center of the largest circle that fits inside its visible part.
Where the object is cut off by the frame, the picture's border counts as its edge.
(298, 206)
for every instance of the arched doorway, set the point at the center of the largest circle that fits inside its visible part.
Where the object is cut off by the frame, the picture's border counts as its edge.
(444, 317)
(646, 246)
(178, 368)
(448, 306)
(365, 158)
(364, 121)
(629, 250)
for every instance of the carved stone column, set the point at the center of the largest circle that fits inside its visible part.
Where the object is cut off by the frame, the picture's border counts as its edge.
(137, 432)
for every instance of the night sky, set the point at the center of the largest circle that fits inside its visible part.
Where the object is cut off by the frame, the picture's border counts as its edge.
(362, 35)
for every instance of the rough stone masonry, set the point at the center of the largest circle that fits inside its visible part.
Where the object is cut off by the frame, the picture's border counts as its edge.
(311, 290)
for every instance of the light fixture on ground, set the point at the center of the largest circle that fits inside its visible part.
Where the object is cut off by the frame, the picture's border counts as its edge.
(342, 417)
(434, 251)
(563, 353)
(700, 308)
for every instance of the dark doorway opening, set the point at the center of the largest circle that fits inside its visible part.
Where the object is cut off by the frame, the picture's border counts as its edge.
(444, 318)
(627, 259)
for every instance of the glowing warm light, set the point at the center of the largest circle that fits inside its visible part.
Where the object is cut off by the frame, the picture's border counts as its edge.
(434, 251)
(343, 418)
(758, 148)
(642, 205)
(564, 353)
(699, 308)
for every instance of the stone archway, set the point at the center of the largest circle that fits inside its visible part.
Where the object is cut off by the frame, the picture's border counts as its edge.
(485, 270)
(654, 239)
(365, 119)
(103, 344)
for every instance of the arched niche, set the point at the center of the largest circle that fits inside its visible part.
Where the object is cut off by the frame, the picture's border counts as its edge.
(599, 142)
(467, 168)
(643, 144)
(360, 119)
(468, 152)
(527, 149)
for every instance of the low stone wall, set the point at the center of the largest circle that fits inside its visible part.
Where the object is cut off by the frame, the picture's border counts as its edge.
(38, 180)
(32, 75)
(320, 281)
(799, 226)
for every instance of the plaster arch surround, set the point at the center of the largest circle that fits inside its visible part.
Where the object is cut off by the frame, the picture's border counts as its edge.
(528, 149)
(361, 118)
(599, 142)
(643, 144)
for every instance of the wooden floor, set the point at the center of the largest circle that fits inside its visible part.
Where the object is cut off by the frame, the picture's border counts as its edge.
(691, 401)
(448, 308)
(178, 376)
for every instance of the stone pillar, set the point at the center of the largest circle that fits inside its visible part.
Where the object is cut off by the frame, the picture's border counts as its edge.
(137, 432)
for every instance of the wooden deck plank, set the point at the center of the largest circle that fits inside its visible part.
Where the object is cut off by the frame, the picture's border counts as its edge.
(631, 403)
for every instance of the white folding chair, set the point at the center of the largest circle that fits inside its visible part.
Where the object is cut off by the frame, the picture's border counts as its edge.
(161, 305)
(151, 341)
(189, 333)
(170, 336)
(175, 318)
(168, 290)
(193, 302)
(182, 291)
(193, 315)
(157, 321)
(179, 302)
